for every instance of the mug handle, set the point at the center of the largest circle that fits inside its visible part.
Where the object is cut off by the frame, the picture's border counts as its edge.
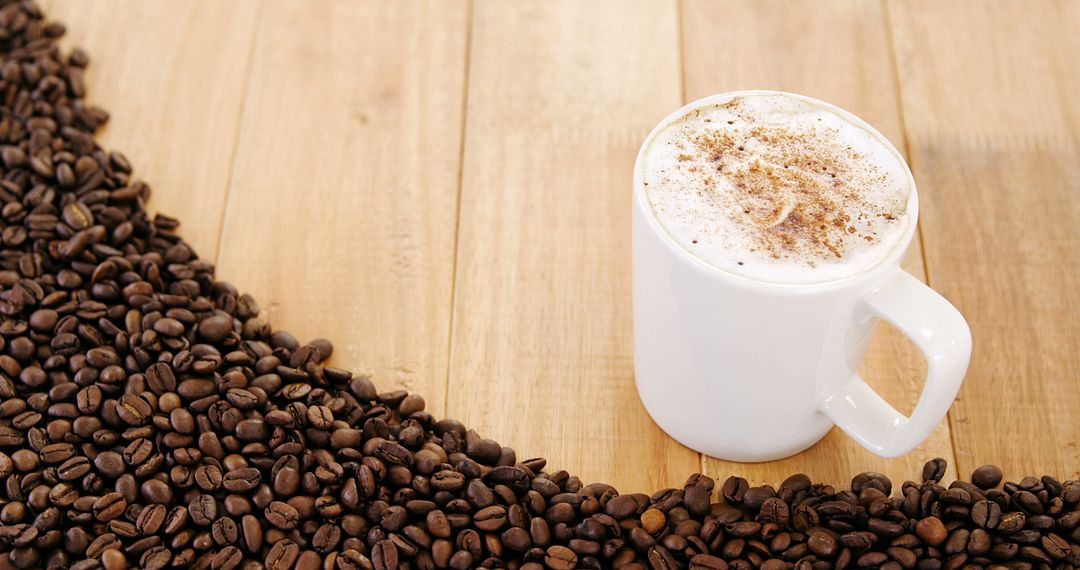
(943, 336)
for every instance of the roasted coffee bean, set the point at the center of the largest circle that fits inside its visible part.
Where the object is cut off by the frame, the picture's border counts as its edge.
(160, 378)
(227, 558)
(560, 558)
(242, 480)
(734, 490)
(252, 533)
(150, 519)
(987, 477)
(934, 470)
(224, 531)
(979, 543)
(931, 531)
(282, 515)
(156, 492)
(202, 509)
(215, 328)
(1011, 522)
(133, 409)
(755, 497)
(208, 477)
(986, 514)
(282, 555)
(155, 558)
(109, 506)
(74, 468)
(384, 555)
(822, 543)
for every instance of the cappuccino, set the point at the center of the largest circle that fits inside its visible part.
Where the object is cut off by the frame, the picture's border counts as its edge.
(776, 188)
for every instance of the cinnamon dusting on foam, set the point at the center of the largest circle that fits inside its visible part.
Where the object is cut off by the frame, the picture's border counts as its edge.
(778, 189)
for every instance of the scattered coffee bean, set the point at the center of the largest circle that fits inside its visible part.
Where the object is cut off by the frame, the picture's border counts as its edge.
(987, 477)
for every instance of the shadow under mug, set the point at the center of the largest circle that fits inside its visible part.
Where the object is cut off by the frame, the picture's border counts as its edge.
(746, 370)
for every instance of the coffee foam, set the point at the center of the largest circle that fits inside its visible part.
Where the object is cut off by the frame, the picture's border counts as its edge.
(778, 189)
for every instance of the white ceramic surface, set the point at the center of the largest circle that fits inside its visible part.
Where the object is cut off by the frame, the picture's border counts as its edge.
(753, 371)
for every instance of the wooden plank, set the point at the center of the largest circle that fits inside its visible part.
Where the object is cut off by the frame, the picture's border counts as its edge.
(837, 51)
(561, 94)
(989, 95)
(173, 76)
(342, 212)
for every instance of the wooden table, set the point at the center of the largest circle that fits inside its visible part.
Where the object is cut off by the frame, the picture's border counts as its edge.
(442, 188)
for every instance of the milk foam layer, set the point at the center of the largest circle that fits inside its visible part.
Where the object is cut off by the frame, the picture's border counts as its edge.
(778, 189)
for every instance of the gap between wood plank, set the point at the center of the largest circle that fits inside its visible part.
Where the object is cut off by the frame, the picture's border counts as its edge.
(457, 213)
(230, 179)
(895, 65)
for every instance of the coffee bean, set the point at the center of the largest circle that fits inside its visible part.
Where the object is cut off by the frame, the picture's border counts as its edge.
(74, 468)
(102, 543)
(986, 514)
(384, 555)
(155, 558)
(208, 477)
(707, 562)
(109, 506)
(931, 531)
(215, 328)
(934, 470)
(560, 558)
(169, 327)
(755, 497)
(282, 555)
(987, 476)
(113, 559)
(156, 492)
(1011, 522)
(734, 490)
(1028, 502)
(228, 558)
(822, 543)
(696, 499)
(490, 519)
(133, 409)
(242, 399)
(621, 507)
(202, 509)
(150, 519)
(160, 378)
(182, 421)
(775, 511)
(242, 480)
(653, 521)
(282, 515)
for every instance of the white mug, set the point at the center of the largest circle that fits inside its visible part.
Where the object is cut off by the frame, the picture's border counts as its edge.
(747, 370)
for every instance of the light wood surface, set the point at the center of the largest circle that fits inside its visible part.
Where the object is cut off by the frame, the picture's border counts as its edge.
(343, 201)
(560, 96)
(442, 189)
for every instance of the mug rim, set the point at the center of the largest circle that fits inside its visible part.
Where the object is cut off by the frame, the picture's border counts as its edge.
(891, 260)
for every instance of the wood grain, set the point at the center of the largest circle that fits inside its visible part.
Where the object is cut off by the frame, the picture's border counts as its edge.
(173, 76)
(561, 94)
(990, 99)
(837, 51)
(342, 212)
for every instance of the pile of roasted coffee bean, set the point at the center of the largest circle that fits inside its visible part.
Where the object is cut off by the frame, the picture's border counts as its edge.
(150, 417)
